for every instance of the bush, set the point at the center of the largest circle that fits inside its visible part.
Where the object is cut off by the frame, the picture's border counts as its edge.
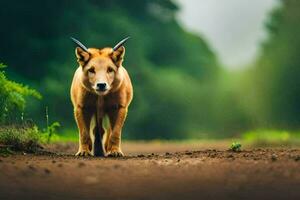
(12, 98)
(17, 138)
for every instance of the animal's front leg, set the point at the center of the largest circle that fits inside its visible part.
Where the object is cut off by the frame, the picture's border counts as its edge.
(83, 119)
(117, 118)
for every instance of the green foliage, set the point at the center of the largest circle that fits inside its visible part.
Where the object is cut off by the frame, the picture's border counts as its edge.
(12, 98)
(235, 146)
(2, 66)
(15, 138)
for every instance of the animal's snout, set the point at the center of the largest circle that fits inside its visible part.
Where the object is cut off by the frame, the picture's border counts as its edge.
(102, 87)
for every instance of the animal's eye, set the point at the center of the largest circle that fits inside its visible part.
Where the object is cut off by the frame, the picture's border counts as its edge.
(92, 70)
(110, 69)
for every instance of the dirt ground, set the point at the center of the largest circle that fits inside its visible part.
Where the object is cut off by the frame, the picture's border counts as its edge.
(154, 171)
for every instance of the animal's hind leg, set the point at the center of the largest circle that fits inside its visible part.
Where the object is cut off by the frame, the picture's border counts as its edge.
(107, 137)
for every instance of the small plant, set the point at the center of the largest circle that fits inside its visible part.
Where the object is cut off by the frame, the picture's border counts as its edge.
(235, 146)
(50, 129)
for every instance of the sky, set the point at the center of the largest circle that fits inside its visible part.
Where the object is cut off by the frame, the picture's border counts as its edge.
(233, 28)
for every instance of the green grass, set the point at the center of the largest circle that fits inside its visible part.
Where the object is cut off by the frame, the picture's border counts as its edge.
(67, 135)
(22, 139)
(30, 139)
(271, 137)
(255, 137)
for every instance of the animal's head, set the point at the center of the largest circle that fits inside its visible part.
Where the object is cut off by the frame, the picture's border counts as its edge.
(100, 66)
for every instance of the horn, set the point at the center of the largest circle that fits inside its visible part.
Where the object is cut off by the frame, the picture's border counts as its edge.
(79, 44)
(120, 43)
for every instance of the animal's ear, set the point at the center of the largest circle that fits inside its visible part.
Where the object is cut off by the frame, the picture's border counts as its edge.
(118, 56)
(82, 56)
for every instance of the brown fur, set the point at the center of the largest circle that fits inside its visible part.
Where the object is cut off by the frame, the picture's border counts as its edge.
(100, 65)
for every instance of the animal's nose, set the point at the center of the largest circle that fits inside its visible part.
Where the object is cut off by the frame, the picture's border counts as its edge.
(101, 86)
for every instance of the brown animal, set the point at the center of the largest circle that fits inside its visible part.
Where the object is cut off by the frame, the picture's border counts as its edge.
(101, 87)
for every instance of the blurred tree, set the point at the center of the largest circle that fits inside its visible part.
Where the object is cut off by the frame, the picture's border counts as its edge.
(275, 77)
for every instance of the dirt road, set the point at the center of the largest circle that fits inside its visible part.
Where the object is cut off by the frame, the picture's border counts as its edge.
(154, 171)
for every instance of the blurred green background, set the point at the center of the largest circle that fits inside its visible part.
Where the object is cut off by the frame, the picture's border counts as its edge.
(181, 89)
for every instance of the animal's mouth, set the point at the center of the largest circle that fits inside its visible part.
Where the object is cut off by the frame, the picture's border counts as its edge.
(101, 90)
(101, 93)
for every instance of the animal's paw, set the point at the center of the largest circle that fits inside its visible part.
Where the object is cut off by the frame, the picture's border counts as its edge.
(83, 153)
(115, 153)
